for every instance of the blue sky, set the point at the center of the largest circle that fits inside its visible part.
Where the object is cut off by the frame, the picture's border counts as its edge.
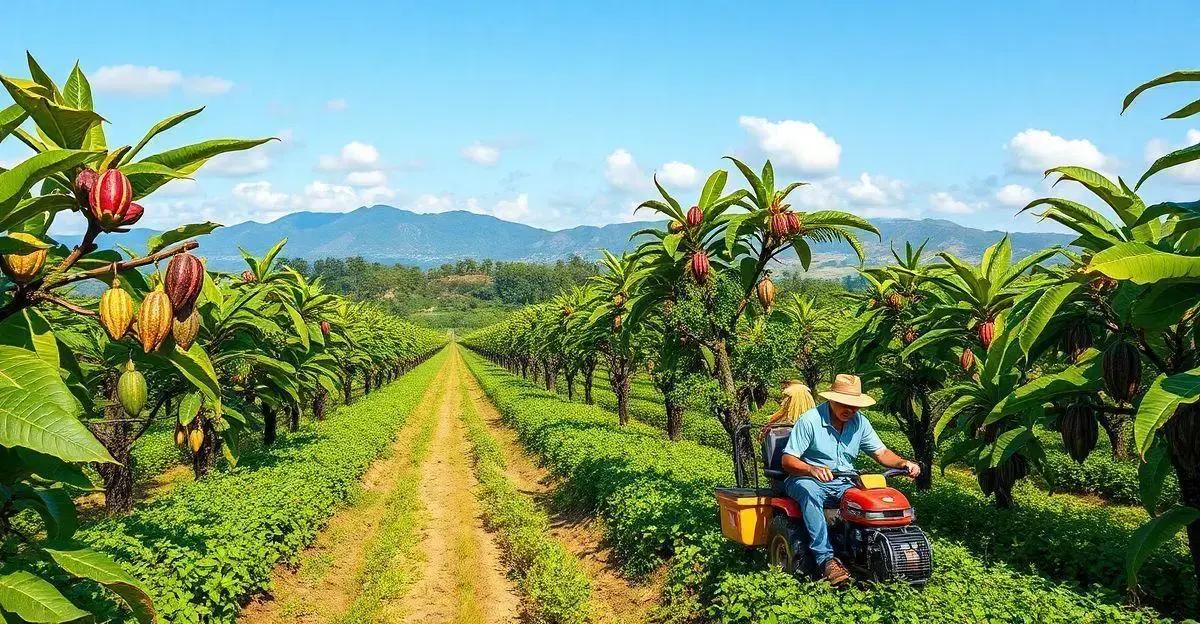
(556, 113)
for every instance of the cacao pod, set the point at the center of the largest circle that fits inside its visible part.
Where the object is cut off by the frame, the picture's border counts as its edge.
(620, 299)
(910, 335)
(695, 216)
(133, 214)
(185, 277)
(248, 277)
(1077, 340)
(22, 268)
(1122, 368)
(1012, 470)
(779, 226)
(895, 301)
(180, 434)
(967, 360)
(987, 481)
(110, 199)
(793, 220)
(185, 331)
(700, 266)
(766, 292)
(987, 333)
(131, 390)
(618, 322)
(1183, 435)
(196, 438)
(872, 303)
(85, 181)
(116, 311)
(1079, 429)
(154, 320)
(326, 328)
(674, 227)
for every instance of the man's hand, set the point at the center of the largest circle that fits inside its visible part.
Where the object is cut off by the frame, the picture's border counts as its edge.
(913, 468)
(820, 473)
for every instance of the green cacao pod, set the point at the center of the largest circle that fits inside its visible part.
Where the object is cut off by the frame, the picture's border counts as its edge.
(116, 311)
(1080, 430)
(1122, 368)
(185, 277)
(23, 268)
(185, 331)
(154, 320)
(131, 390)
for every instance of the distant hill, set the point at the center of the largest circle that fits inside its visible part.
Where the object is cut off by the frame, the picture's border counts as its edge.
(391, 235)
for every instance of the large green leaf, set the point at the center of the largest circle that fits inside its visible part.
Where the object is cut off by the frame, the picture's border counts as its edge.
(158, 242)
(1081, 377)
(1043, 310)
(1177, 76)
(16, 182)
(145, 177)
(712, 188)
(1164, 304)
(42, 207)
(198, 369)
(189, 158)
(67, 127)
(1165, 395)
(1143, 264)
(54, 505)
(1153, 534)
(34, 599)
(10, 245)
(159, 128)
(1174, 159)
(1152, 473)
(38, 411)
(10, 119)
(86, 563)
(77, 93)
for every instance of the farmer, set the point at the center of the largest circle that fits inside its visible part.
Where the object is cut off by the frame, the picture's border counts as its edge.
(826, 439)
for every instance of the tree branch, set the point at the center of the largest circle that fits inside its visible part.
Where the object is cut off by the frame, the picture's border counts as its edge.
(45, 296)
(117, 267)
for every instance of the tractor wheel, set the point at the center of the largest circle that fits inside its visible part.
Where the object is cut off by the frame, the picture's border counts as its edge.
(786, 544)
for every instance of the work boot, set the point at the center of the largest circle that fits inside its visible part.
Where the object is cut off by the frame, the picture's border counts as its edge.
(835, 572)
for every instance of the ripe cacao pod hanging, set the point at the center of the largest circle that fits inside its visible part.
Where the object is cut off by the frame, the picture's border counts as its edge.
(196, 437)
(675, 227)
(1079, 429)
(185, 331)
(1183, 435)
(180, 434)
(1122, 368)
(110, 199)
(779, 226)
(618, 322)
(700, 266)
(1077, 339)
(133, 214)
(895, 301)
(85, 181)
(620, 299)
(185, 278)
(248, 277)
(987, 333)
(695, 216)
(326, 328)
(116, 311)
(766, 292)
(910, 336)
(154, 320)
(22, 268)
(793, 221)
(131, 390)
(967, 360)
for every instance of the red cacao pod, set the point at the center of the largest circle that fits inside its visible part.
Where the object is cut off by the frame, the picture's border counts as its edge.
(116, 311)
(110, 199)
(700, 266)
(85, 181)
(987, 333)
(910, 336)
(185, 277)
(766, 292)
(895, 301)
(793, 223)
(326, 328)
(185, 331)
(133, 214)
(967, 361)
(694, 216)
(1122, 369)
(779, 226)
(248, 277)
(155, 320)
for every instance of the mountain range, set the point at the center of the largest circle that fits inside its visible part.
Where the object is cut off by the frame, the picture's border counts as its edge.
(391, 235)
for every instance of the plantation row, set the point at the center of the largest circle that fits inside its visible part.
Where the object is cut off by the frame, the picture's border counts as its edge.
(656, 502)
(170, 353)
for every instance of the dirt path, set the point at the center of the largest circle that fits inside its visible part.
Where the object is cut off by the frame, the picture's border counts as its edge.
(616, 600)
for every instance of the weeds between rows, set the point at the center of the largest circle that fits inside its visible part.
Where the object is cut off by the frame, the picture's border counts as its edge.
(656, 500)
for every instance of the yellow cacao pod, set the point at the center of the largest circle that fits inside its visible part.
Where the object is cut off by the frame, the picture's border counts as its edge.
(154, 320)
(196, 439)
(22, 268)
(116, 311)
(181, 436)
(185, 331)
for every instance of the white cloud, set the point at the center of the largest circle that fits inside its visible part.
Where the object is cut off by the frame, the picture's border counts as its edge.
(512, 210)
(1034, 151)
(337, 105)
(374, 177)
(178, 188)
(482, 154)
(678, 174)
(149, 80)
(261, 195)
(324, 197)
(1015, 195)
(376, 194)
(429, 203)
(622, 172)
(354, 156)
(238, 164)
(946, 203)
(878, 191)
(1189, 173)
(794, 144)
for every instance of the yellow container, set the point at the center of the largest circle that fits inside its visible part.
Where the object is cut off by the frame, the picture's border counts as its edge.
(745, 514)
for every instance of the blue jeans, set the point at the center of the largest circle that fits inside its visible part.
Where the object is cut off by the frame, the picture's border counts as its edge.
(814, 497)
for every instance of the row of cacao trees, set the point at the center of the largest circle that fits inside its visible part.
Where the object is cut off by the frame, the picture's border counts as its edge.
(220, 356)
(971, 358)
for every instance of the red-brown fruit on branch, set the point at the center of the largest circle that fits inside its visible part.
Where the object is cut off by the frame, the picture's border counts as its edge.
(779, 226)
(968, 359)
(326, 328)
(987, 333)
(1122, 368)
(910, 336)
(694, 216)
(185, 278)
(154, 320)
(1077, 340)
(248, 277)
(110, 199)
(85, 181)
(1079, 430)
(133, 214)
(700, 266)
(766, 292)
(793, 223)
(895, 300)
(618, 322)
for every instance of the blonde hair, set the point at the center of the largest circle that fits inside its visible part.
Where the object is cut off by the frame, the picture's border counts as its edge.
(797, 399)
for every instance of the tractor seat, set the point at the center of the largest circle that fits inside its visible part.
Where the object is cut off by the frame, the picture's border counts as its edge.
(772, 454)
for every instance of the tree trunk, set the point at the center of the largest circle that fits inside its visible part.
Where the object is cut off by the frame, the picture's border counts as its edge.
(202, 460)
(366, 382)
(734, 416)
(674, 419)
(348, 388)
(270, 424)
(117, 437)
(589, 373)
(618, 378)
(318, 404)
(1116, 426)
(551, 376)
(571, 372)
(293, 417)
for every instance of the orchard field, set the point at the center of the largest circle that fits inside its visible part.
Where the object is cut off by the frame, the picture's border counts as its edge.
(294, 441)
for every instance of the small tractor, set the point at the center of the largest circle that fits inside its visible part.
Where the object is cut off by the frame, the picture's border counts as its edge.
(872, 529)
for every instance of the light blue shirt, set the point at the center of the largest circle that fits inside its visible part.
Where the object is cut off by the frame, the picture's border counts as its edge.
(815, 441)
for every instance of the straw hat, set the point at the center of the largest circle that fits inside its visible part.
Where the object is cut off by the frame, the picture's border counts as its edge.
(847, 390)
